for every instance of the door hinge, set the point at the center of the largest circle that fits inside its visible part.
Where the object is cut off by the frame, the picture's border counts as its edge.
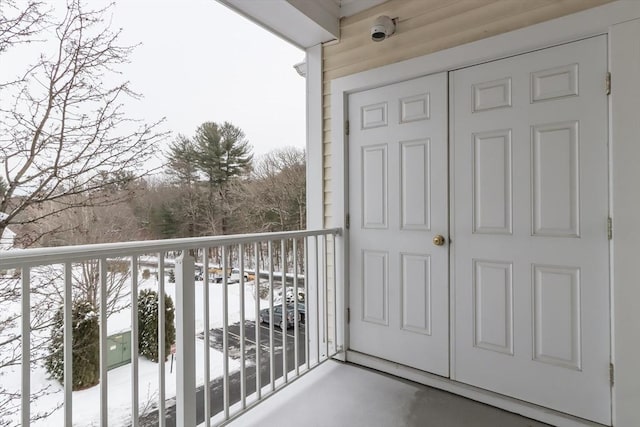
(347, 222)
(346, 127)
(348, 315)
(611, 381)
(609, 228)
(608, 83)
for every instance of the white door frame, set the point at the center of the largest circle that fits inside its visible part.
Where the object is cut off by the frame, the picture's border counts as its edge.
(614, 19)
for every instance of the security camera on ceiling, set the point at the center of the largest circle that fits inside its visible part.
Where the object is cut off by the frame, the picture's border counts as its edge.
(382, 28)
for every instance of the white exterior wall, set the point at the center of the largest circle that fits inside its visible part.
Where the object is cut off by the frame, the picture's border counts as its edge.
(423, 27)
(621, 21)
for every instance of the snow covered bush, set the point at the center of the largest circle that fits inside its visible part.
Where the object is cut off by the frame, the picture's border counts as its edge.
(85, 343)
(148, 324)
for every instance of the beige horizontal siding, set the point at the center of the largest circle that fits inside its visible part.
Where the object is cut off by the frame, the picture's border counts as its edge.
(424, 26)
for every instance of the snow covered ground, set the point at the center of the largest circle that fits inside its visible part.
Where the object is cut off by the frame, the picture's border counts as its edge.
(86, 403)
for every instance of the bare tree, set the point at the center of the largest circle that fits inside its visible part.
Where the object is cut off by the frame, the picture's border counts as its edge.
(20, 23)
(87, 225)
(73, 226)
(65, 143)
(11, 348)
(63, 128)
(278, 190)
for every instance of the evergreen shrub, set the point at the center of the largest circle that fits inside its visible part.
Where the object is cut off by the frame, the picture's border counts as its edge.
(85, 342)
(148, 324)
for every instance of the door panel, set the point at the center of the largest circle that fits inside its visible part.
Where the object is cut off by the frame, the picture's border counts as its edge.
(397, 204)
(530, 206)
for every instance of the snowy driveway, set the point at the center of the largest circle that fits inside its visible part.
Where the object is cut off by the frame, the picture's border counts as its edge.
(234, 378)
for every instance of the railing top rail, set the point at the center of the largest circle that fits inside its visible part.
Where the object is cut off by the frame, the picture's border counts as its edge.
(61, 254)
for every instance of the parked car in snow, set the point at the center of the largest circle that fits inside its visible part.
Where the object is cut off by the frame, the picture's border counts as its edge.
(290, 295)
(215, 276)
(277, 315)
(235, 276)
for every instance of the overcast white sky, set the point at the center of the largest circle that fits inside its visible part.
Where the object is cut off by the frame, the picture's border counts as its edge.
(200, 61)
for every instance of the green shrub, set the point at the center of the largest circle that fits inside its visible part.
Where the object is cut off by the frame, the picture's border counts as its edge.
(148, 324)
(85, 343)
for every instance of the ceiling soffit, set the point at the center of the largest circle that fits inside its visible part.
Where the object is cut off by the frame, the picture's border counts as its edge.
(303, 23)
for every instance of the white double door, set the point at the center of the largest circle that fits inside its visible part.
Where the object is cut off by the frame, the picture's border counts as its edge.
(520, 159)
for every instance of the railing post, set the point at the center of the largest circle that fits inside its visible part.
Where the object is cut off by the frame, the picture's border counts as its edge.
(312, 302)
(341, 297)
(185, 341)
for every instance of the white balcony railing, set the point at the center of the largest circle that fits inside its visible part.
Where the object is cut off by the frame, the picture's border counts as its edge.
(268, 263)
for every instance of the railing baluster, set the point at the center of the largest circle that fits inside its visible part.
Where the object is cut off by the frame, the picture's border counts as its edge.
(161, 333)
(285, 309)
(25, 326)
(325, 295)
(306, 303)
(335, 297)
(68, 345)
(104, 389)
(207, 348)
(134, 343)
(256, 289)
(243, 385)
(296, 318)
(225, 334)
(272, 362)
(318, 266)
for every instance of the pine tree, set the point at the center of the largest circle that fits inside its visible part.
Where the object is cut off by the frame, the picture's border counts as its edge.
(86, 346)
(222, 153)
(207, 166)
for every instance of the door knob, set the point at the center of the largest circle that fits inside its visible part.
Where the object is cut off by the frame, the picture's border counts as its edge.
(438, 240)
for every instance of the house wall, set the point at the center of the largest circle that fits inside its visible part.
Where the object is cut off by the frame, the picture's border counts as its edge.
(621, 21)
(424, 26)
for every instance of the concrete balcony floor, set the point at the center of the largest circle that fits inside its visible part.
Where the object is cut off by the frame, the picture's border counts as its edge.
(337, 394)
